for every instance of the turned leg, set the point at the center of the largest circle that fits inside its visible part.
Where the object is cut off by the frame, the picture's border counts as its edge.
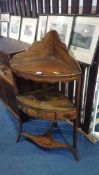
(54, 124)
(75, 147)
(20, 128)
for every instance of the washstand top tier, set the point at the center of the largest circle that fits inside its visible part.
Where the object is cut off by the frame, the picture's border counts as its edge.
(46, 60)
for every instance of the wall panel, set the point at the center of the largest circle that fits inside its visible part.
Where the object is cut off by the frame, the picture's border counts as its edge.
(33, 8)
(97, 8)
(23, 10)
(75, 6)
(14, 7)
(40, 6)
(28, 8)
(64, 6)
(55, 6)
(47, 6)
(87, 6)
(10, 7)
(18, 5)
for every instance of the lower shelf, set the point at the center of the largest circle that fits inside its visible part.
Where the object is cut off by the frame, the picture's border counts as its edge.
(45, 141)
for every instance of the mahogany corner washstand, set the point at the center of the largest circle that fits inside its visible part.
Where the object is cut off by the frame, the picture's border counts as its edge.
(47, 63)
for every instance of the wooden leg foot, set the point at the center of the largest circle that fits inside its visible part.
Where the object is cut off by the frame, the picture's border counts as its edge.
(18, 137)
(75, 147)
(20, 130)
(76, 154)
